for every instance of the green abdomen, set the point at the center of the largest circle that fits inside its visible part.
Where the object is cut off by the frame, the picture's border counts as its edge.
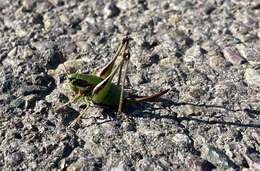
(113, 97)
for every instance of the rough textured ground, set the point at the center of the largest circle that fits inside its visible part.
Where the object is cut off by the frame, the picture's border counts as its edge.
(205, 52)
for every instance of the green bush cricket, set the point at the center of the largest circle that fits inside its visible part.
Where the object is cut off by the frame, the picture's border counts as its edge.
(99, 87)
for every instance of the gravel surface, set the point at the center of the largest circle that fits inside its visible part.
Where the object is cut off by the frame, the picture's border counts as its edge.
(207, 52)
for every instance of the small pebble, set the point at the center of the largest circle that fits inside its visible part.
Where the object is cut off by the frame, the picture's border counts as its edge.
(252, 77)
(232, 55)
(111, 10)
(251, 53)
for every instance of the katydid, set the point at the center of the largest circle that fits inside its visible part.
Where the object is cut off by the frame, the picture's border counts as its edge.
(100, 89)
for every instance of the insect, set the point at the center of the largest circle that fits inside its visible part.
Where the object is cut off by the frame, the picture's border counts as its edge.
(99, 87)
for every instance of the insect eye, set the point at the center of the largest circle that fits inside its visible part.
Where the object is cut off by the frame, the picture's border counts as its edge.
(70, 78)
